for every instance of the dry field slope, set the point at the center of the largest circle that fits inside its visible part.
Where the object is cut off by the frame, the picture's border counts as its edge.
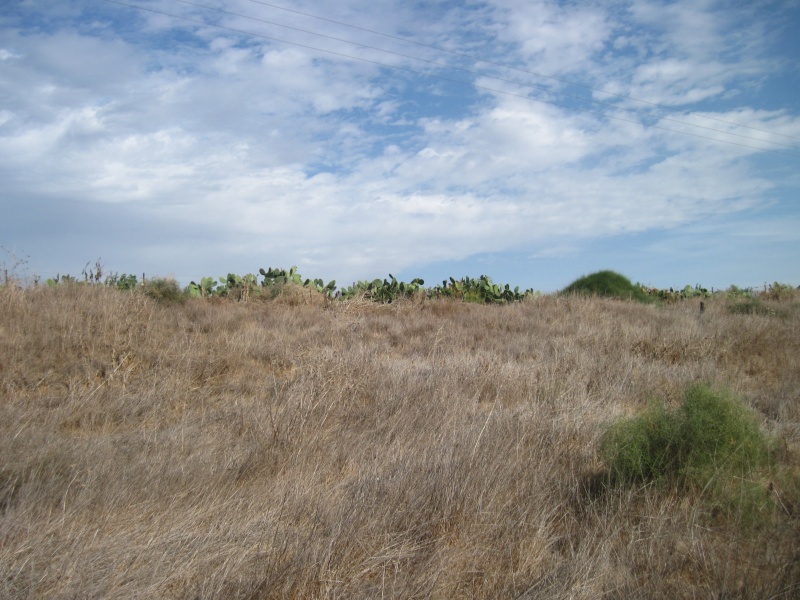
(437, 449)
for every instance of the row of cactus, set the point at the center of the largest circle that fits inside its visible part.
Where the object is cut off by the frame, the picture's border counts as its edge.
(495, 293)
(273, 277)
(672, 295)
(241, 287)
(115, 280)
(231, 286)
(481, 289)
(385, 290)
(467, 289)
(320, 286)
(278, 277)
(773, 291)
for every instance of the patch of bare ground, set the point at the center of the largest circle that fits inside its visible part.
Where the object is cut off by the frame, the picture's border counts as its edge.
(298, 448)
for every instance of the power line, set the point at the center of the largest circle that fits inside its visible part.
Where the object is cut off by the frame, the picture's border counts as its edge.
(521, 70)
(441, 77)
(443, 65)
(478, 74)
(448, 79)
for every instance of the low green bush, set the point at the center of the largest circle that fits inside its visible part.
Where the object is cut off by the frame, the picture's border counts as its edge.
(643, 448)
(608, 284)
(769, 308)
(711, 433)
(166, 291)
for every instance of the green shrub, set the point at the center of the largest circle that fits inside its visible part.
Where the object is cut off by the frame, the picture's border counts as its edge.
(608, 284)
(784, 310)
(718, 433)
(164, 290)
(751, 306)
(711, 433)
(779, 291)
(643, 448)
(735, 292)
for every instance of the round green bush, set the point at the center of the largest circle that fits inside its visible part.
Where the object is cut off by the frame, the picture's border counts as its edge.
(711, 432)
(608, 284)
(718, 433)
(165, 291)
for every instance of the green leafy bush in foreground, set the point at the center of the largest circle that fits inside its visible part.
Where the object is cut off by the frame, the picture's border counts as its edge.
(711, 433)
(710, 445)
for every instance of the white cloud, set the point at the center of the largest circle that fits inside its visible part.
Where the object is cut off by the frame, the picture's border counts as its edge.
(273, 150)
(551, 37)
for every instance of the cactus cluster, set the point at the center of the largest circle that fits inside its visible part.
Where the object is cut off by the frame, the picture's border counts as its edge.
(241, 287)
(233, 285)
(385, 290)
(672, 295)
(115, 280)
(481, 289)
(273, 277)
(320, 286)
(205, 288)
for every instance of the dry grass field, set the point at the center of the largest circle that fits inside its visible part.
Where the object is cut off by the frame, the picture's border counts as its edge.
(293, 448)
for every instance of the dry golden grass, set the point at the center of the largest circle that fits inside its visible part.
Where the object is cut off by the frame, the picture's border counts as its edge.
(304, 449)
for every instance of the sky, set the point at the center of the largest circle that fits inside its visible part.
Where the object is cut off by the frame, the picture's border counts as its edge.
(533, 141)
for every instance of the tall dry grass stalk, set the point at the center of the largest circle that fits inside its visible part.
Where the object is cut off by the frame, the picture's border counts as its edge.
(288, 449)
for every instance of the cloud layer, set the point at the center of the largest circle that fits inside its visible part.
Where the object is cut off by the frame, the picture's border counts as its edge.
(172, 146)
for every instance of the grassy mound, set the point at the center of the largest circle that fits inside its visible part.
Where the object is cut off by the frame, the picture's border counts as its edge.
(608, 284)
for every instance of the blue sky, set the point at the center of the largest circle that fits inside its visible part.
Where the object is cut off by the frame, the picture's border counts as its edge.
(533, 141)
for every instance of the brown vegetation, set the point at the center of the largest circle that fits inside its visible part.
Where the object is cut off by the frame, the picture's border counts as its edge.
(294, 449)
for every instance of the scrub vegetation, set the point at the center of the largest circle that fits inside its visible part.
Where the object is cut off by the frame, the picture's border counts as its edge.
(607, 284)
(156, 445)
(711, 443)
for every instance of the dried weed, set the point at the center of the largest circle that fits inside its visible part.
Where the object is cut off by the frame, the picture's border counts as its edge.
(301, 449)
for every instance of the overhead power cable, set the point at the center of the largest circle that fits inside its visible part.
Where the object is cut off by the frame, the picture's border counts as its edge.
(440, 77)
(478, 74)
(520, 69)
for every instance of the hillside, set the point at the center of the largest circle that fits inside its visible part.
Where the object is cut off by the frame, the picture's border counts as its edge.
(291, 448)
